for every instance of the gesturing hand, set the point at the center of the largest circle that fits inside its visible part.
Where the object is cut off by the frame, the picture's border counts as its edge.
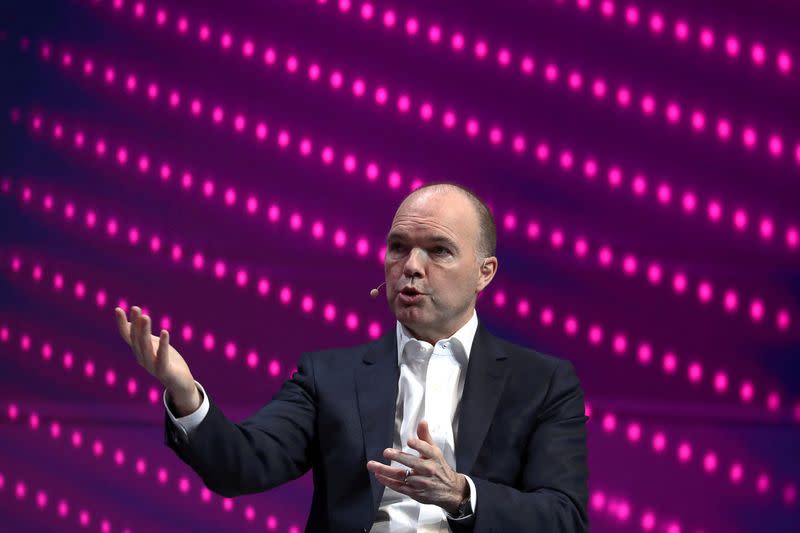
(159, 358)
(430, 479)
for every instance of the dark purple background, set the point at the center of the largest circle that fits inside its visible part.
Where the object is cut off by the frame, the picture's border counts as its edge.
(625, 475)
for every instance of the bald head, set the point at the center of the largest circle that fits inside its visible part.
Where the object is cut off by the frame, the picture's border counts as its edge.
(486, 245)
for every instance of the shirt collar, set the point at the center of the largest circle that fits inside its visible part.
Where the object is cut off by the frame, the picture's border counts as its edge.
(464, 336)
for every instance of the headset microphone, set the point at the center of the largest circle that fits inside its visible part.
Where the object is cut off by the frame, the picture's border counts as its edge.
(374, 292)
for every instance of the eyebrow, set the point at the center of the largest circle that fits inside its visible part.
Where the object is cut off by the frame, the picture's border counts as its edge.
(439, 239)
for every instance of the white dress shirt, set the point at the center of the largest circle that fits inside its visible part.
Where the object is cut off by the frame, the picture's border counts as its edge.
(435, 400)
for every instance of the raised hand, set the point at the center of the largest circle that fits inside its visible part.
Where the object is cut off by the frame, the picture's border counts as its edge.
(159, 358)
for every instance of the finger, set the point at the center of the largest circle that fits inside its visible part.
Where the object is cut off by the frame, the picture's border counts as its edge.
(162, 354)
(133, 333)
(411, 461)
(424, 433)
(424, 448)
(376, 467)
(399, 486)
(123, 325)
(146, 340)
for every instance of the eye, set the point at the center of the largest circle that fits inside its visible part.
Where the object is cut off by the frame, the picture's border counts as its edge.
(441, 250)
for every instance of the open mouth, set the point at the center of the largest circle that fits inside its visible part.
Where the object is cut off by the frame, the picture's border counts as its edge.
(410, 295)
(410, 291)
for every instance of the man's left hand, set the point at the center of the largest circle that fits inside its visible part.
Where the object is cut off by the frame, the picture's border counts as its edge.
(430, 480)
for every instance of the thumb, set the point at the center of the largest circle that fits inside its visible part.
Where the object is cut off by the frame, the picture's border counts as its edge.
(424, 433)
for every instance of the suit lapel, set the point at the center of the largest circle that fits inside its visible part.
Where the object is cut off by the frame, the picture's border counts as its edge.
(486, 376)
(376, 388)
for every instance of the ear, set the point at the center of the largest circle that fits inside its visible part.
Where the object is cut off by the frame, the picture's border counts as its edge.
(487, 271)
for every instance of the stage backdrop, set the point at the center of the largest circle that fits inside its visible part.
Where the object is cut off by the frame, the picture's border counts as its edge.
(233, 168)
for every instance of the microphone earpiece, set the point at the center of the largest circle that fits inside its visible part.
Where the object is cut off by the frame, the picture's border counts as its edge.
(374, 292)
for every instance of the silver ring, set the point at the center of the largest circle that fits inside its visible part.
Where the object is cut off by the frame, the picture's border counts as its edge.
(408, 473)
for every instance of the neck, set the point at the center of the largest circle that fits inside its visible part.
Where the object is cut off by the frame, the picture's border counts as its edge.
(432, 336)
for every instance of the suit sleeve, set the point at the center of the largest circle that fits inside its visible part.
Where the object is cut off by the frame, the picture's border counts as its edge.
(554, 481)
(273, 446)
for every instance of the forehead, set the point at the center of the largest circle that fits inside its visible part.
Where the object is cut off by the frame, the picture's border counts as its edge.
(436, 214)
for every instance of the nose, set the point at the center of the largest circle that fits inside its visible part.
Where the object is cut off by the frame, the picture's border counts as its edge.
(413, 267)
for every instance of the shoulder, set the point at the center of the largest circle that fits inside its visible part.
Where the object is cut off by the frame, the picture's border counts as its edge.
(526, 359)
(340, 356)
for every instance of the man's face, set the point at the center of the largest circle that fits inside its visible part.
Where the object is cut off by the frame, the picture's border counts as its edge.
(432, 270)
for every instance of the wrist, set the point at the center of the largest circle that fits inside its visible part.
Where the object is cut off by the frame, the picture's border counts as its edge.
(460, 495)
(185, 401)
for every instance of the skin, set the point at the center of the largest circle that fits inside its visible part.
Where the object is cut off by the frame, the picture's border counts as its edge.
(432, 246)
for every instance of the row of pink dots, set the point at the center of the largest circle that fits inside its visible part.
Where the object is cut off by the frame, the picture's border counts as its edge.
(45, 501)
(122, 457)
(260, 129)
(199, 262)
(631, 266)
(705, 290)
(674, 112)
(685, 452)
(707, 38)
(629, 263)
(621, 344)
(98, 447)
(519, 143)
(112, 377)
(622, 511)
(209, 340)
(210, 189)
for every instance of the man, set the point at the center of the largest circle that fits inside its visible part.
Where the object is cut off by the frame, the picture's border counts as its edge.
(502, 446)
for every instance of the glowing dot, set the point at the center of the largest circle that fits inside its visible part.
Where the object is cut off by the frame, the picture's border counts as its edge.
(595, 334)
(720, 382)
(740, 219)
(749, 137)
(546, 316)
(724, 129)
(620, 344)
(681, 30)
(648, 104)
(551, 72)
(634, 432)
(679, 283)
(784, 61)
(758, 54)
(481, 49)
(644, 353)
(412, 26)
(599, 88)
(706, 38)
(609, 422)
(527, 65)
(623, 96)
(673, 113)
(695, 372)
(783, 320)
(766, 228)
(757, 310)
(732, 46)
(762, 483)
(746, 392)
(684, 452)
(670, 363)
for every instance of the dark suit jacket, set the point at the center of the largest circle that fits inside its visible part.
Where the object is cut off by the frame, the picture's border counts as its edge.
(521, 437)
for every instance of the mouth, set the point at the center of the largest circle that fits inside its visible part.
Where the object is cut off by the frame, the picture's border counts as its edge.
(410, 291)
(410, 295)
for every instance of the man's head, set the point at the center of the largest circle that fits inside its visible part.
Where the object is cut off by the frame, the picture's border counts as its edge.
(440, 253)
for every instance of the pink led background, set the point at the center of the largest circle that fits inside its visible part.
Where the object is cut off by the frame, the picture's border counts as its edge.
(233, 169)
